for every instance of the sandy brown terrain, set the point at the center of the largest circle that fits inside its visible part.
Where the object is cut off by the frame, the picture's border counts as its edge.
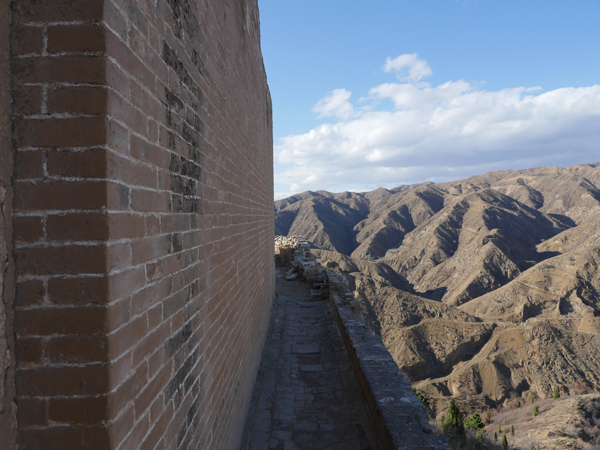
(486, 290)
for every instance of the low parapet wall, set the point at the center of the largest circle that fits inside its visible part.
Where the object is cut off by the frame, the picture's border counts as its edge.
(399, 418)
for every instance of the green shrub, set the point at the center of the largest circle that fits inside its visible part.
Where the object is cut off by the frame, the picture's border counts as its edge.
(535, 410)
(424, 400)
(532, 398)
(504, 443)
(512, 430)
(454, 428)
(474, 422)
(488, 416)
(556, 393)
(499, 429)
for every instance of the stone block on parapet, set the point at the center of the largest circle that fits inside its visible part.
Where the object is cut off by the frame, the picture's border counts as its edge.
(392, 404)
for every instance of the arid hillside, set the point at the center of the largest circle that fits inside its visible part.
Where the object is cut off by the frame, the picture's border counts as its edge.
(485, 289)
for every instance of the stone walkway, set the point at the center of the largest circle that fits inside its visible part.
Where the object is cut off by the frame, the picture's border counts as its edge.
(306, 395)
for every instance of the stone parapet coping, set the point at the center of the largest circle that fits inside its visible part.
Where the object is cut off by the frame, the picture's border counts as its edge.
(399, 418)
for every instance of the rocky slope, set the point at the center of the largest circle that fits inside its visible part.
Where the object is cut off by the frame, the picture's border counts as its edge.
(485, 289)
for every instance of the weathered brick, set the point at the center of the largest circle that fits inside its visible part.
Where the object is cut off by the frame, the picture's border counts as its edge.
(84, 320)
(78, 99)
(80, 410)
(32, 411)
(28, 229)
(78, 291)
(76, 38)
(68, 259)
(29, 350)
(144, 205)
(62, 132)
(27, 39)
(60, 69)
(29, 292)
(56, 381)
(29, 164)
(76, 349)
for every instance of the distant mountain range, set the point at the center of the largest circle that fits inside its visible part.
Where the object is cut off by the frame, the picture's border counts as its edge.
(485, 289)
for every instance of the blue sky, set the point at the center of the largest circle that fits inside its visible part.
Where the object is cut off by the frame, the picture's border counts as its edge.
(480, 86)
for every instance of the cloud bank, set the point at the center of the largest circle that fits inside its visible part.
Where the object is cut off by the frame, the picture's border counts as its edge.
(415, 132)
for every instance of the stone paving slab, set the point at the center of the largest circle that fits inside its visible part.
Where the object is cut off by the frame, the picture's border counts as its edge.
(306, 395)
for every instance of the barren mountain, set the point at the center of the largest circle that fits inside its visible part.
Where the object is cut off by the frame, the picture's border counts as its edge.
(486, 290)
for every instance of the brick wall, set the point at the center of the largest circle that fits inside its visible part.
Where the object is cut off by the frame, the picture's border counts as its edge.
(143, 221)
(8, 425)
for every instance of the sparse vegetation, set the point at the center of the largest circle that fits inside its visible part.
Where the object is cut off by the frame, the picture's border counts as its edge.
(474, 422)
(488, 417)
(423, 399)
(454, 428)
(556, 393)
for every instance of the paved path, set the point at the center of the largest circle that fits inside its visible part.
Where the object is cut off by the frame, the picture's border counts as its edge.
(306, 395)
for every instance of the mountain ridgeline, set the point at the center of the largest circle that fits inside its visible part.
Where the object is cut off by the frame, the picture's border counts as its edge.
(485, 289)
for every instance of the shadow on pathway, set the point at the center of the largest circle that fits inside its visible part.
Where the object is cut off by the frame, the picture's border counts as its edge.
(306, 394)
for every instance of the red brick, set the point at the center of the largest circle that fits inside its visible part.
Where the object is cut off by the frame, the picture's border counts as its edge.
(27, 100)
(125, 283)
(158, 429)
(131, 172)
(28, 229)
(117, 196)
(152, 225)
(121, 426)
(126, 391)
(118, 313)
(83, 164)
(137, 434)
(64, 437)
(78, 99)
(53, 381)
(81, 410)
(125, 338)
(29, 292)
(60, 69)
(86, 195)
(149, 296)
(27, 39)
(31, 411)
(151, 201)
(150, 343)
(150, 248)
(29, 164)
(64, 132)
(78, 291)
(68, 259)
(84, 320)
(75, 38)
(77, 349)
(151, 391)
(58, 10)
(77, 227)
(148, 152)
(28, 350)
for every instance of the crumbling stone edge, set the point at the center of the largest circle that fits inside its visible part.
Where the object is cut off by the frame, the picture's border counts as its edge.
(399, 418)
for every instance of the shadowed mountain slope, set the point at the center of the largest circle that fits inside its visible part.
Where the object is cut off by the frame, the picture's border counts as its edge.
(486, 290)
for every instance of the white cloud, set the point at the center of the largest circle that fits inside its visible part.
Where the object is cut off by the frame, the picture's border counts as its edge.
(439, 133)
(336, 104)
(408, 67)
